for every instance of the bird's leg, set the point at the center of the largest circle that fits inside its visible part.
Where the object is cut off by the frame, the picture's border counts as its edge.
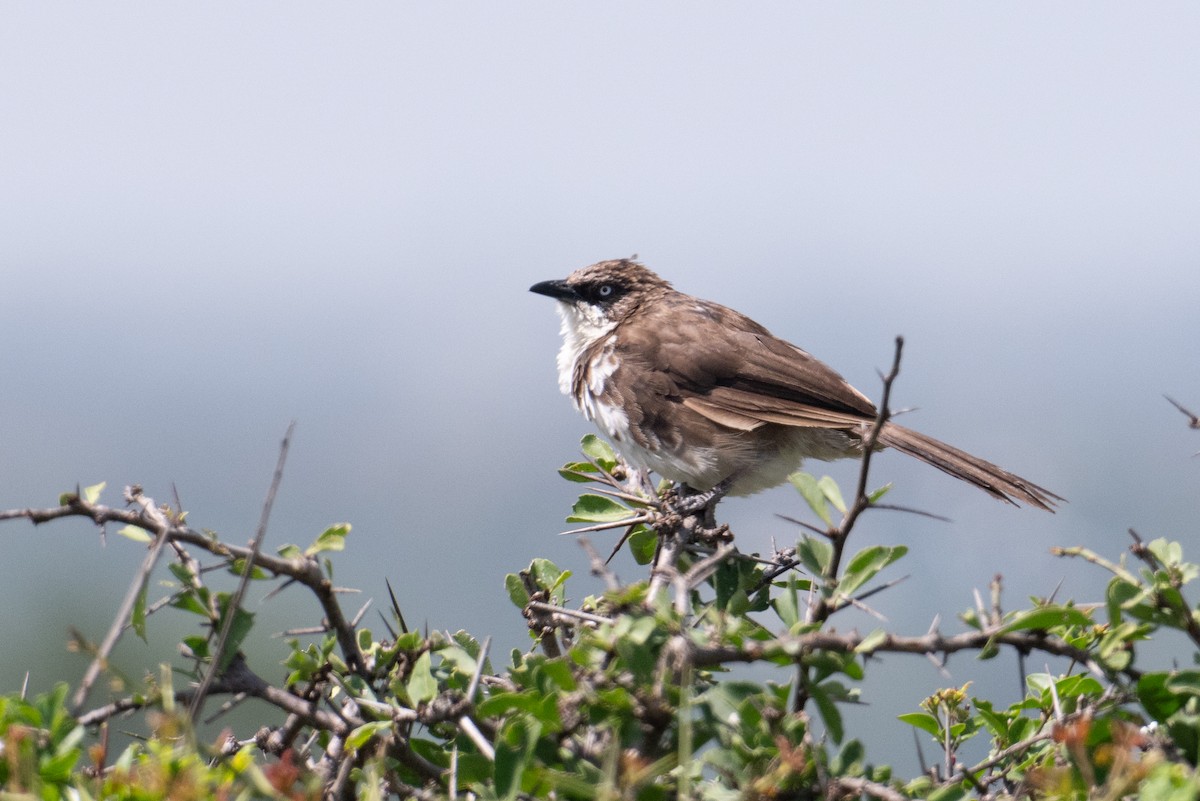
(707, 500)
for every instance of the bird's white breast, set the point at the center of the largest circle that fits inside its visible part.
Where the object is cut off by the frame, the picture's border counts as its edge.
(582, 328)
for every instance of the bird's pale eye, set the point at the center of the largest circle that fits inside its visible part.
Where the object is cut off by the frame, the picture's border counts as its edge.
(605, 291)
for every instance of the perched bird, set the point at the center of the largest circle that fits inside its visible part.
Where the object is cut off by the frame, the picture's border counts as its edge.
(705, 396)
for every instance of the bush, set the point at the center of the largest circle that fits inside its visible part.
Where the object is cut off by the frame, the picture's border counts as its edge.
(626, 695)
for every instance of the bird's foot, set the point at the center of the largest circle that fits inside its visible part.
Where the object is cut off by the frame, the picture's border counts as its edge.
(690, 502)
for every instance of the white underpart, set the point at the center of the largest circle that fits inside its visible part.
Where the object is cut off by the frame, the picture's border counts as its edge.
(582, 326)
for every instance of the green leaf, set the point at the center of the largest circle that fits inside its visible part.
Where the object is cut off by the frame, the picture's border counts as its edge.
(814, 554)
(558, 672)
(331, 539)
(92, 494)
(1168, 552)
(643, 542)
(829, 713)
(995, 721)
(1047, 617)
(238, 566)
(550, 577)
(514, 748)
(1038, 683)
(243, 621)
(1077, 685)
(579, 472)
(949, 792)
(56, 769)
(137, 618)
(1185, 681)
(290, 551)
(725, 583)
(421, 685)
(874, 496)
(849, 760)
(787, 604)
(598, 509)
(361, 735)
(923, 721)
(866, 564)
(197, 644)
(831, 491)
(738, 603)
(598, 451)
(188, 602)
(516, 590)
(136, 534)
(871, 642)
(813, 495)
(541, 706)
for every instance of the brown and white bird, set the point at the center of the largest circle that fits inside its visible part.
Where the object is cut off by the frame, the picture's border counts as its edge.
(705, 396)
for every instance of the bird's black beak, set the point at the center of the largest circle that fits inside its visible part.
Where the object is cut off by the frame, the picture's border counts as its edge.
(559, 290)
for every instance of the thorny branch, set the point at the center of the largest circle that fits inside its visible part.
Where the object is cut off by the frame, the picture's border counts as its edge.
(691, 549)
(1193, 418)
(235, 602)
(862, 501)
(305, 570)
(933, 643)
(136, 588)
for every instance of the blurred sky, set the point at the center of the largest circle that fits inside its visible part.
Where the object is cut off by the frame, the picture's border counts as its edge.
(217, 218)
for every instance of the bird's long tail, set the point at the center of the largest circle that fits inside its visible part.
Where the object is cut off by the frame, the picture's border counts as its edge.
(988, 477)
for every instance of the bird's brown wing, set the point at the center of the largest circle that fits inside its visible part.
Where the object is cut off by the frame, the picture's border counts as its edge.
(747, 411)
(733, 371)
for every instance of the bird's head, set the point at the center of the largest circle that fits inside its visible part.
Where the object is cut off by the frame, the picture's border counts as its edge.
(594, 299)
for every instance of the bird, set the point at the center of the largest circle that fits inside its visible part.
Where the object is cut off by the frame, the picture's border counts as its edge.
(707, 398)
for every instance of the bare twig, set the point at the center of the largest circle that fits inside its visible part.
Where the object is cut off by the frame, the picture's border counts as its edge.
(1193, 418)
(861, 500)
(478, 674)
(827, 603)
(362, 610)
(468, 727)
(895, 507)
(154, 520)
(237, 678)
(852, 785)
(622, 523)
(672, 541)
(556, 611)
(809, 526)
(618, 494)
(235, 601)
(599, 566)
(1002, 756)
(794, 646)
(698, 574)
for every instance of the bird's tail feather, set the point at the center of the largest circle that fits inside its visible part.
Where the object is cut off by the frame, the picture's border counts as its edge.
(960, 464)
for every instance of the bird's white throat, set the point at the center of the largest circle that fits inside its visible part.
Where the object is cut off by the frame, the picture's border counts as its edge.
(582, 326)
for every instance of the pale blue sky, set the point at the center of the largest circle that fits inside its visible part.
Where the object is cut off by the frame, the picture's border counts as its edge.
(218, 218)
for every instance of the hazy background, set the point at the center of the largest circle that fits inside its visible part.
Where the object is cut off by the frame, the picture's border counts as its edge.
(218, 218)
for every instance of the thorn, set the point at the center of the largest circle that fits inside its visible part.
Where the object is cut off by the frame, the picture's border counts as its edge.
(1193, 419)
(396, 607)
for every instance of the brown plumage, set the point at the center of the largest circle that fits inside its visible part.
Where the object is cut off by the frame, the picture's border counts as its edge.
(702, 394)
